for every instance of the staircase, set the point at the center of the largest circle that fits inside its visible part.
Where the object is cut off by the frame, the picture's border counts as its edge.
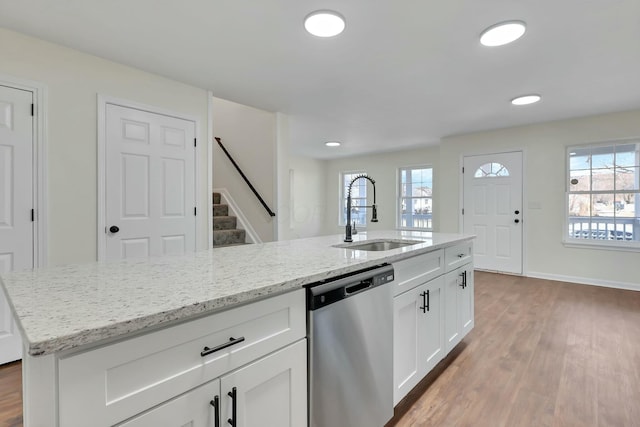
(225, 232)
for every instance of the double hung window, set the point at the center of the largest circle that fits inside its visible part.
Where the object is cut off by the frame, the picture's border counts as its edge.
(415, 201)
(603, 194)
(358, 198)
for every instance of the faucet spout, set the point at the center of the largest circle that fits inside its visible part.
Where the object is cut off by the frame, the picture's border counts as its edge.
(374, 217)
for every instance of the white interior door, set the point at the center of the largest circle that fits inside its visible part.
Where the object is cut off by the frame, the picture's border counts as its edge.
(493, 210)
(150, 184)
(16, 202)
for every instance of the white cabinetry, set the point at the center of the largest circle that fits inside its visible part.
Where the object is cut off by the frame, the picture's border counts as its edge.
(459, 294)
(259, 349)
(433, 311)
(268, 392)
(418, 335)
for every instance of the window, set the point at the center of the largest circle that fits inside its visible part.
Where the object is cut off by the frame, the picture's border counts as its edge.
(603, 194)
(416, 198)
(491, 170)
(358, 198)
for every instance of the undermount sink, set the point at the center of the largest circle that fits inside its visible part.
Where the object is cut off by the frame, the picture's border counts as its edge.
(378, 244)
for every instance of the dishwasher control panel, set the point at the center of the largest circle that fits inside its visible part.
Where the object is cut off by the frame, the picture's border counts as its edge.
(329, 291)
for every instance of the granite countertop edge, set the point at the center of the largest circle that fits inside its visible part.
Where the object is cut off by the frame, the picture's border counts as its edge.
(132, 325)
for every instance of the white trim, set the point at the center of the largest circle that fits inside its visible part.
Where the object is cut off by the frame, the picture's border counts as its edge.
(209, 169)
(607, 245)
(102, 101)
(40, 163)
(243, 222)
(585, 281)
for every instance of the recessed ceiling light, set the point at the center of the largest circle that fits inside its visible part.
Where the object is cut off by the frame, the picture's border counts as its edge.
(332, 144)
(526, 99)
(503, 33)
(324, 23)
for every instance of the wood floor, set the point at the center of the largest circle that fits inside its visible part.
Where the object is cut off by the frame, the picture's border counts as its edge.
(11, 395)
(542, 353)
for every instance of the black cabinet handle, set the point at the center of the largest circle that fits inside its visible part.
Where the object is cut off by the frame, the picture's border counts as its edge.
(216, 407)
(114, 229)
(464, 279)
(424, 307)
(427, 304)
(232, 341)
(232, 395)
(460, 255)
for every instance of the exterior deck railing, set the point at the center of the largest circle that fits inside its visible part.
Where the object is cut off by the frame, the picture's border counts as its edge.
(604, 228)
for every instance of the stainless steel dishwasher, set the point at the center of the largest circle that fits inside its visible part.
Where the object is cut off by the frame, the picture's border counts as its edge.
(350, 322)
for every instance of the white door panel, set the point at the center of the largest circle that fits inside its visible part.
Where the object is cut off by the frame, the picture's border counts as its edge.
(16, 202)
(492, 196)
(150, 183)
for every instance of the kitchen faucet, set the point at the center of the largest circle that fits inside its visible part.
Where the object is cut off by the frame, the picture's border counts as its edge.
(374, 216)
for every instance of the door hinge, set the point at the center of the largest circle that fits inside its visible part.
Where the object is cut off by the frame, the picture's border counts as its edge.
(195, 212)
(33, 215)
(462, 211)
(463, 169)
(33, 109)
(195, 142)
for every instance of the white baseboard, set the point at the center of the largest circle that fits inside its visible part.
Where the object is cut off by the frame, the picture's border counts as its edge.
(585, 281)
(243, 224)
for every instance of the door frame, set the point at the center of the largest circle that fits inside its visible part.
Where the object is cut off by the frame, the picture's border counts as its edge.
(102, 101)
(39, 164)
(525, 222)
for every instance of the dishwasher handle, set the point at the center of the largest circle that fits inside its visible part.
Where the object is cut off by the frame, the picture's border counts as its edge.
(364, 284)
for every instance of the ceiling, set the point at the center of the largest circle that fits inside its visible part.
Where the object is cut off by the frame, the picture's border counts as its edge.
(404, 73)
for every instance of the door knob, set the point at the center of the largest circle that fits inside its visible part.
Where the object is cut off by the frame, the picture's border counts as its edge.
(114, 229)
(516, 212)
(516, 220)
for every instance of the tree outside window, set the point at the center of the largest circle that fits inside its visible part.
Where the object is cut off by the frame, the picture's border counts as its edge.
(603, 193)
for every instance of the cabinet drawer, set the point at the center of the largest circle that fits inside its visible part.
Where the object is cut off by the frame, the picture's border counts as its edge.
(458, 255)
(414, 271)
(104, 386)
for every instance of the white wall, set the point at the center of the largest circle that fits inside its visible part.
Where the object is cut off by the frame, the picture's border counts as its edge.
(249, 134)
(383, 168)
(544, 181)
(73, 81)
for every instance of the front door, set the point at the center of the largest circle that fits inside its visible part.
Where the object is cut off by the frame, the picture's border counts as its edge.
(16, 202)
(150, 184)
(492, 210)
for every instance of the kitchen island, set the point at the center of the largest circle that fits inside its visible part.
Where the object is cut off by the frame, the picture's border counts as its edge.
(70, 314)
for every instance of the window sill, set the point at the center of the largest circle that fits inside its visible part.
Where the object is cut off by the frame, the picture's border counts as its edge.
(604, 245)
(414, 229)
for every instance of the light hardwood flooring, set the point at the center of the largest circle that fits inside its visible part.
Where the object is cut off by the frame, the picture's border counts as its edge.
(542, 353)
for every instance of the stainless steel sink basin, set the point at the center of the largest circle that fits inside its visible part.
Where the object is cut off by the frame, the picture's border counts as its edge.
(378, 244)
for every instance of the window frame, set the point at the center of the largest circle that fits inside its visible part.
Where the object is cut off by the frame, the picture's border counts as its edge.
(610, 244)
(400, 197)
(342, 201)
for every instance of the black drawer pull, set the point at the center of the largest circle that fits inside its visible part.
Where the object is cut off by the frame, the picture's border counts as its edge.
(232, 341)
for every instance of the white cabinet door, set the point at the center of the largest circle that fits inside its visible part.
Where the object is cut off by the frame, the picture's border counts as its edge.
(269, 392)
(418, 343)
(466, 301)
(407, 327)
(192, 409)
(459, 305)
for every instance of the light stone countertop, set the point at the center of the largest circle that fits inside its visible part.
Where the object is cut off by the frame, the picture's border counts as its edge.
(61, 308)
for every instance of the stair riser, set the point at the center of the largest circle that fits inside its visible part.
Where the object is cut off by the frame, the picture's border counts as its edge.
(224, 222)
(220, 210)
(216, 198)
(227, 237)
